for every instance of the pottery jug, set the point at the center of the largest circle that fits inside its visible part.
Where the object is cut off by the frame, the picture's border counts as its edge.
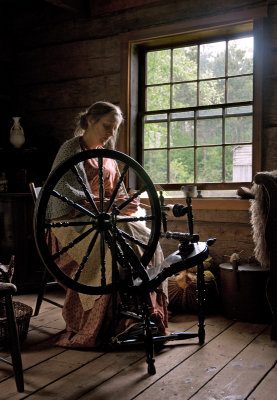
(17, 138)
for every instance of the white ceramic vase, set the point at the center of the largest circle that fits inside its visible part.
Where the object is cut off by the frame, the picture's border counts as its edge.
(17, 138)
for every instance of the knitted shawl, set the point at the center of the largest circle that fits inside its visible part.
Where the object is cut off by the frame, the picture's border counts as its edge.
(68, 185)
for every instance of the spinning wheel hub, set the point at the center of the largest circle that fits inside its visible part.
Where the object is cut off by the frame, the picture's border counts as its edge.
(104, 222)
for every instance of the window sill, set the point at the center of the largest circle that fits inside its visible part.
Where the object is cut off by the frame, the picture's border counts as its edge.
(220, 204)
(211, 204)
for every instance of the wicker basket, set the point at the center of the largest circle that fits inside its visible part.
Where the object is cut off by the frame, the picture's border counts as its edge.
(181, 300)
(22, 314)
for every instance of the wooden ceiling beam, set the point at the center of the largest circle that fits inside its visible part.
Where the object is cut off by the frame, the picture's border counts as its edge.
(98, 7)
(71, 5)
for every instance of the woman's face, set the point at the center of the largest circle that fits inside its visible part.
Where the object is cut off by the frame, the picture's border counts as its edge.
(98, 133)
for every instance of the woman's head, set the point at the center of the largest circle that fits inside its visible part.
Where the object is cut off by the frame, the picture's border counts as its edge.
(104, 112)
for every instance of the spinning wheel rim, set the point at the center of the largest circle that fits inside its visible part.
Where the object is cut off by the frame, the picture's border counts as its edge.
(45, 194)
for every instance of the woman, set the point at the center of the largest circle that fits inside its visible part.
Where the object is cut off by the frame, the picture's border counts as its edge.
(88, 317)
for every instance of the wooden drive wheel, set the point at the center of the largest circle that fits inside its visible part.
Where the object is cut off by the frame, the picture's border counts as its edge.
(102, 225)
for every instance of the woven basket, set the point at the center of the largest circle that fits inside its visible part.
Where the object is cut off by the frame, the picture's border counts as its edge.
(22, 314)
(181, 300)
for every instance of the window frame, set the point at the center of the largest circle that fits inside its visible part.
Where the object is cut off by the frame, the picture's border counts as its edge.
(134, 43)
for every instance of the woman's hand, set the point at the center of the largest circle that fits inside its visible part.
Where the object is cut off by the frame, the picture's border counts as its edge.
(131, 207)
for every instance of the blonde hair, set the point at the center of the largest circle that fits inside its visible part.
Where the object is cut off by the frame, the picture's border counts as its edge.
(95, 112)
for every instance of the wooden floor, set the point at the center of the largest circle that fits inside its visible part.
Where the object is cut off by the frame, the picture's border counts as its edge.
(237, 361)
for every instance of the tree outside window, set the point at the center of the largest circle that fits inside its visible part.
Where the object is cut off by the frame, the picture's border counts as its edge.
(198, 112)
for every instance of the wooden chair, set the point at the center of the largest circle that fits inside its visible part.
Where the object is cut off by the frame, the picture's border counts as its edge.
(268, 202)
(6, 291)
(45, 282)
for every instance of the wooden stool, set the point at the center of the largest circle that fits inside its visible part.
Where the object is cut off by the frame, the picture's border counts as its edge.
(6, 291)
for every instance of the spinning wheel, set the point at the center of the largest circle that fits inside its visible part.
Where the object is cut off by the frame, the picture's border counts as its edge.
(103, 222)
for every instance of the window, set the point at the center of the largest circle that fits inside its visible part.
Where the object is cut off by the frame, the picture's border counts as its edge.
(197, 113)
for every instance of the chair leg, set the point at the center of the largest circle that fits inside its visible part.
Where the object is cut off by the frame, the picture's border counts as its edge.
(41, 292)
(14, 344)
(201, 302)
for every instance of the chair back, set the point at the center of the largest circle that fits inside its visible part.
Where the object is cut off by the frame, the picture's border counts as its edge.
(34, 190)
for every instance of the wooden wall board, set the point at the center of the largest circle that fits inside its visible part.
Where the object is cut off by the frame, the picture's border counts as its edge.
(32, 28)
(270, 143)
(100, 7)
(72, 5)
(67, 61)
(70, 94)
(230, 236)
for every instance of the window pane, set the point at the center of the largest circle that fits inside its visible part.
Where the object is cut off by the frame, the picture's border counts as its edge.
(212, 92)
(238, 129)
(240, 89)
(184, 95)
(182, 115)
(182, 165)
(238, 163)
(182, 133)
(156, 117)
(202, 94)
(185, 64)
(158, 98)
(212, 60)
(158, 67)
(155, 135)
(209, 164)
(209, 113)
(209, 131)
(239, 110)
(240, 56)
(155, 163)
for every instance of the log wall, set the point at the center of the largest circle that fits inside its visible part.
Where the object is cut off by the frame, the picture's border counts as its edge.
(56, 63)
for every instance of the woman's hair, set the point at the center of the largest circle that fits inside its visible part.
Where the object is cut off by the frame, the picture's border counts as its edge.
(94, 113)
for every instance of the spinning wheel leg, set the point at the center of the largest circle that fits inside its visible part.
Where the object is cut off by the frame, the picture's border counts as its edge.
(148, 340)
(201, 300)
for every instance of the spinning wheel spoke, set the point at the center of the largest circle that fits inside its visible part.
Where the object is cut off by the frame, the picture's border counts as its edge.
(103, 260)
(129, 252)
(120, 180)
(73, 243)
(86, 256)
(123, 261)
(101, 183)
(135, 219)
(87, 193)
(132, 239)
(65, 224)
(72, 203)
(134, 196)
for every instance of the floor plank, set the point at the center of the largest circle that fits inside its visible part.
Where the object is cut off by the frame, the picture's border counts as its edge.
(188, 377)
(267, 388)
(236, 362)
(134, 380)
(241, 374)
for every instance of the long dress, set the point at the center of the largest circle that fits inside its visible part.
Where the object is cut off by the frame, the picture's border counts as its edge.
(88, 318)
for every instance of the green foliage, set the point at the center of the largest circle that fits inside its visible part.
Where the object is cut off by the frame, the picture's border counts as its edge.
(172, 83)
